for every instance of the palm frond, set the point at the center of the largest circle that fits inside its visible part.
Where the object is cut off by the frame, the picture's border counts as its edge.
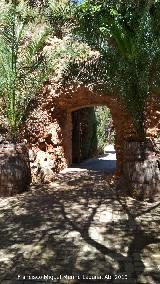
(23, 68)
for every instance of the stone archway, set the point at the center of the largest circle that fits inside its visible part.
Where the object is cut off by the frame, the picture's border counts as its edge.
(48, 126)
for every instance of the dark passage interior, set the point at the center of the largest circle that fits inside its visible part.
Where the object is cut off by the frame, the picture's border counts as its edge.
(93, 136)
(84, 135)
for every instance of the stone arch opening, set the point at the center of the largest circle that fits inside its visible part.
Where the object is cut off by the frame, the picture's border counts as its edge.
(92, 130)
(118, 147)
(92, 146)
(49, 123)
(83, 97)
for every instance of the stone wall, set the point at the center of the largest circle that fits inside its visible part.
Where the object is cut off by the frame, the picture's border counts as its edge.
(48, 127)
(15, 175)
(152, 116)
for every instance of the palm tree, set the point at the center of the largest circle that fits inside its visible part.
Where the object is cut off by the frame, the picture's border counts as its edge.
(128, 39)
(127, 36)
(23, 67)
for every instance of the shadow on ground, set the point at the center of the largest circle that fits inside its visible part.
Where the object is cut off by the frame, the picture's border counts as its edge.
(78, 228)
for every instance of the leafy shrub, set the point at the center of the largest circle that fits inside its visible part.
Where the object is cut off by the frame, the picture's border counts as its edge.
(105, 135)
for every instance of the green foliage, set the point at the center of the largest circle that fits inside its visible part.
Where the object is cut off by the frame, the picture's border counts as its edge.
(23, 67)
(88, 133)
(114, 48)
(30, 53)
(65, 55)
(60, 16)
(127, 36)
(158, 136)
(103, 119)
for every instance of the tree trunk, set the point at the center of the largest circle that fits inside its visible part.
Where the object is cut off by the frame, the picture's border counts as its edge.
(15, 174)
(141, 170)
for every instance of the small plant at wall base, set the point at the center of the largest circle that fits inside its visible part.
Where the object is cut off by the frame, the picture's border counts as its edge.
(23, 67)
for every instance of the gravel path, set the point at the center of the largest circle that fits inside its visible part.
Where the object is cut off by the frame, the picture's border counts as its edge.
(78, 230)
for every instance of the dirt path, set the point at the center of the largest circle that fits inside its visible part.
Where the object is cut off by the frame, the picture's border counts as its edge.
(78, 230)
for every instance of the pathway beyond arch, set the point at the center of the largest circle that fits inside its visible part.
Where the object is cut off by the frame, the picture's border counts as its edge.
(102, 163)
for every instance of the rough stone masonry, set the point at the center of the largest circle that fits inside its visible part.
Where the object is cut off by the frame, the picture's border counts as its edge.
(48, 127)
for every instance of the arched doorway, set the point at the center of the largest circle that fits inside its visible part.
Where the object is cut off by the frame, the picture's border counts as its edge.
(93, 139)
(49, 124)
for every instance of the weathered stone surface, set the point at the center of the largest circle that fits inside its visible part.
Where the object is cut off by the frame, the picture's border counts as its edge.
(141, 170)
(152, 116)
(42, 166)
(15, 175)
